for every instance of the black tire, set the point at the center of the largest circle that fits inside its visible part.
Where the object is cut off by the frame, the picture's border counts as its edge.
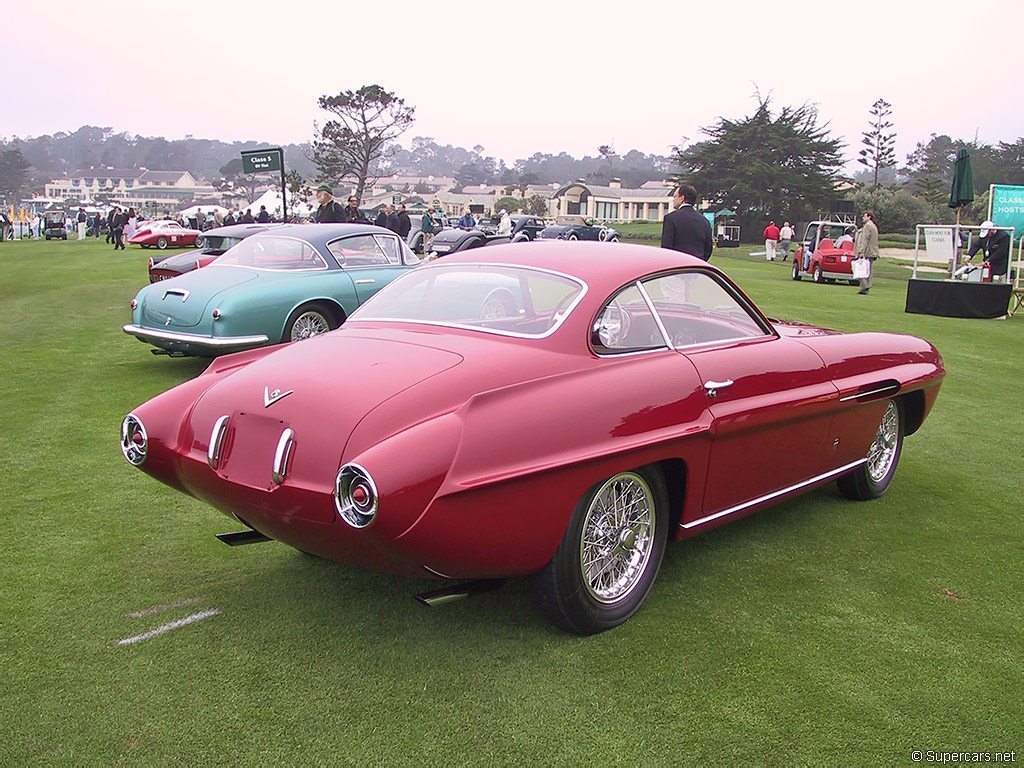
(572, 236)
(308, 321)
(871, 479)
(796, 271)
(161, 243)
(580, 603)
(613, 239)
(853, 282)
(816, 275)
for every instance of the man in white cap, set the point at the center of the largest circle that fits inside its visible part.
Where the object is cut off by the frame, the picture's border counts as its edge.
(996, 246)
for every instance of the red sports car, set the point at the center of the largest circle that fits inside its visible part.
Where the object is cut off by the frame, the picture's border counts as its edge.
(165, 234)
(558, 410)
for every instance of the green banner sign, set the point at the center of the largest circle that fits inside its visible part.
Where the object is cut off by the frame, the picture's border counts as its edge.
(1006, 207)
(261, 160)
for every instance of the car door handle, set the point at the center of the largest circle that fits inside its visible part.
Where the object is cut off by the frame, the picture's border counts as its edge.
(366, 281)
(712, 387)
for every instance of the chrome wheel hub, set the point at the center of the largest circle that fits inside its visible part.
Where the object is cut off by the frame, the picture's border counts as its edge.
(618, 537)
(309, 324)
(882, 452)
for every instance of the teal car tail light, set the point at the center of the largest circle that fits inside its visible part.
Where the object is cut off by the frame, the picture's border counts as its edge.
(355, 496)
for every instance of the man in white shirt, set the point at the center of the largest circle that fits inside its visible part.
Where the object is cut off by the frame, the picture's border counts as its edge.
(785, 240)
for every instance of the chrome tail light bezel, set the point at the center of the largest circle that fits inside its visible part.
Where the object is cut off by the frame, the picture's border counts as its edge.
(220, 428)
(134, 449)
(358, 514)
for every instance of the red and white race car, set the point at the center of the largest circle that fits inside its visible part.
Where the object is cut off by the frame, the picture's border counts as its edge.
(165, 234)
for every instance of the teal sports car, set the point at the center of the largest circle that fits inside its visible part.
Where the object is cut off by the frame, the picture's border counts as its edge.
(287, 284)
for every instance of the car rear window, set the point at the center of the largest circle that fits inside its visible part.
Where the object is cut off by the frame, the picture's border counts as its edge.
(273, 252)
(508, 300)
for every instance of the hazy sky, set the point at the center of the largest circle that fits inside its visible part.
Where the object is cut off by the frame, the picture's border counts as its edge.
(517, 78)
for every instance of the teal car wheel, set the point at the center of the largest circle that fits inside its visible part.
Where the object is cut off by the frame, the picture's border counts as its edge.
(306, 322)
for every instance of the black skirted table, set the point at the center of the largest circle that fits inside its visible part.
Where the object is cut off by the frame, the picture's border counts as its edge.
(955, 298)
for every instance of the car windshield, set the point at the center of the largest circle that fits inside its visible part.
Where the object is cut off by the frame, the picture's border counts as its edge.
(494, 298)
(272, 252)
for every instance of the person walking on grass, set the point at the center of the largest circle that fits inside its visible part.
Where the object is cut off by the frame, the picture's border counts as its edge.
(785, 239)
(82, 220)
(866, 248)
(117, 228)
(771, 239)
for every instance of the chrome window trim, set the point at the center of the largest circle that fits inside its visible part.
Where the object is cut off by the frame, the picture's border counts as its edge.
(654, 312)
(341, 266)
(316, 250)
(774, 494)
(397, 239)
(496, 332)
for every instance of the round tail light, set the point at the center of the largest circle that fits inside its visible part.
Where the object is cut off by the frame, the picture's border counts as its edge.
(355, 496)
(134, 441)
(133, 303)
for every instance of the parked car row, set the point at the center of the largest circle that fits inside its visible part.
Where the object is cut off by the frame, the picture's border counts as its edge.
(524, 229)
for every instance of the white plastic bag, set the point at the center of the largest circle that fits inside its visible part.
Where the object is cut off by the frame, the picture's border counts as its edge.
(861, 268)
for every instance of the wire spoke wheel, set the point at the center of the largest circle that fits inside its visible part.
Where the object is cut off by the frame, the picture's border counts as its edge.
(618, 537)
(882, 453)
(309, 324)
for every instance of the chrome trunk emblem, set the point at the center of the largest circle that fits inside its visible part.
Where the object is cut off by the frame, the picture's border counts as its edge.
(269, 398)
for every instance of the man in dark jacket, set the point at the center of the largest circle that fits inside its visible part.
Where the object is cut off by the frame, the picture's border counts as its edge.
(110, 224)
(684, 229)
(229, 219)
(352, 213)
(329, 211)
(263, 217)
(247, 218)
(392, 219)
(117, 227)
(995, 246)
(404, 225)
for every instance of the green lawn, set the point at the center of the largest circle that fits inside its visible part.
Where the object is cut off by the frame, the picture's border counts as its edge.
(821, 631)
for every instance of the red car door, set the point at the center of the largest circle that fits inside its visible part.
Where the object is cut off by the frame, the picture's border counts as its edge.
(770, 402)
(769, 398)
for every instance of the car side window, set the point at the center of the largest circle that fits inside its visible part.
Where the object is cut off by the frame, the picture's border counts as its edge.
(695, 308)
(358, 251)
(389, 245)
(626, 324)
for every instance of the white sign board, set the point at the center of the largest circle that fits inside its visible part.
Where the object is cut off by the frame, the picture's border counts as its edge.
(938, 244)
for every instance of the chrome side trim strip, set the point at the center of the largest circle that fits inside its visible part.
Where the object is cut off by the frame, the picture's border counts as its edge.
(437, 573)
(281, 456)
(775, 494)
(893, 388)
(196, 339)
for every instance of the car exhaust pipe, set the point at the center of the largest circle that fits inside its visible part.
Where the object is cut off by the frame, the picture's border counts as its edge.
(238, 538)
(458, 591)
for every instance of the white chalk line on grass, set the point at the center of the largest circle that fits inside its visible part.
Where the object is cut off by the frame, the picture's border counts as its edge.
(162, 608)
(170, 626)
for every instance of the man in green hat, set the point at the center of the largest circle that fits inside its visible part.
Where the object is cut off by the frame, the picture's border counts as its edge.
(329, 211)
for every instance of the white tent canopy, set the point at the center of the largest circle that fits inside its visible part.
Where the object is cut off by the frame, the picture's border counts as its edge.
(272, 200)
(207, 209)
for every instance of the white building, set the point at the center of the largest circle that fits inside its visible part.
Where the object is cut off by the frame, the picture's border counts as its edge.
(614, 202)
(135, 187)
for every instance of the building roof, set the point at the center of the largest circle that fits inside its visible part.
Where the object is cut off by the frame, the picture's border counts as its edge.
(658, 184)
(616, 193)
(107, 173)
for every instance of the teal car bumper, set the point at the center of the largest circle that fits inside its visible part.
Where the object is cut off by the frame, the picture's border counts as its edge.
(194, 343)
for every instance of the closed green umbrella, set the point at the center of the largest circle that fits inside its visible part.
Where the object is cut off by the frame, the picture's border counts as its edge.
(962, 191)
(960, 194)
